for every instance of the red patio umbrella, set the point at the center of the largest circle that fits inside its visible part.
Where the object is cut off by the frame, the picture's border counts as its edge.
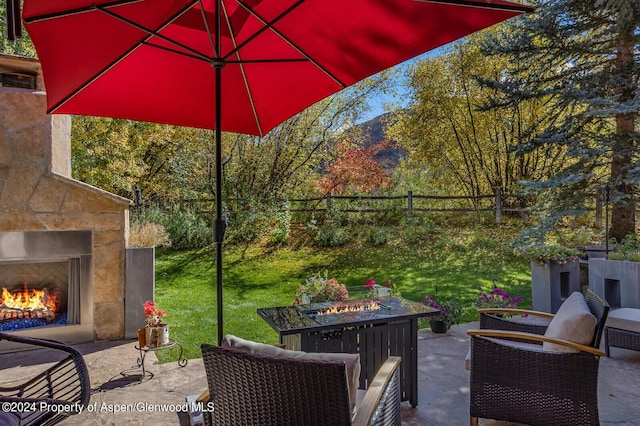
(232, 65)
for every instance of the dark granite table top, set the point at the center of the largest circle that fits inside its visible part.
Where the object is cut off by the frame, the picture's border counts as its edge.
(294, 318)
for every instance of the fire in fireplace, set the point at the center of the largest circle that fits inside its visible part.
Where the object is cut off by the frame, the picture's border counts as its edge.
(30, 307)
(46, 284)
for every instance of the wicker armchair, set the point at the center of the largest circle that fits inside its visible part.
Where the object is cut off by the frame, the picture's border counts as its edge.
(54, 394)
(522, 382)
(255, 389)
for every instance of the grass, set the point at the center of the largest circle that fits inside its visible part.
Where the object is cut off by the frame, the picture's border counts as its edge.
(455, 261)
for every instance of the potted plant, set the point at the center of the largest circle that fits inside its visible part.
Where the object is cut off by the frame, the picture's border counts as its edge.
(555, 274)
(156, 332)
(319, 288)
(497, 298)
(448, 316)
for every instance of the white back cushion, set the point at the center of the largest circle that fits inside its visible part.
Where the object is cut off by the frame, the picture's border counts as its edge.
(573, 322)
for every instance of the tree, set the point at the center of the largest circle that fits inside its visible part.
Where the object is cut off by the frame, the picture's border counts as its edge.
(286, 161)
(356, 168)
(579, 56)
(460, 147)
(116, 155)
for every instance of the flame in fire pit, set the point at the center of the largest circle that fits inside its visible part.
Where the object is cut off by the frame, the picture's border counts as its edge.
(27, 299)
(341, 309)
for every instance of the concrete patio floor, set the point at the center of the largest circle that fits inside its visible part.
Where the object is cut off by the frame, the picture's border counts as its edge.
(443, 384)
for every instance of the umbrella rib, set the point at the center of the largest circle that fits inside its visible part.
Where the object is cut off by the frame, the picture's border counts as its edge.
(511, 7)
(156, 33)
(263, 61)
(119, 58)
(269, 26)
(208, 31)
(266, 25)
(242, 70)
(77, 11)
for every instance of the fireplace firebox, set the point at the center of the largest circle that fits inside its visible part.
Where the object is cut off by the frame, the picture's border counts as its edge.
(46, 284)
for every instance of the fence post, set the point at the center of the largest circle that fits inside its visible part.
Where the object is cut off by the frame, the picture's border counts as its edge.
(498, 206)
(410, 205)
(599, 208)
(328, 203)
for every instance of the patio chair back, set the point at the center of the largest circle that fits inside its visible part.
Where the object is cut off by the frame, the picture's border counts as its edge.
(65, 383)
(253, 389)
(600, 309)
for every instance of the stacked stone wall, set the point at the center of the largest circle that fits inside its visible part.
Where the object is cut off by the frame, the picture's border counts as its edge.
(37, 193)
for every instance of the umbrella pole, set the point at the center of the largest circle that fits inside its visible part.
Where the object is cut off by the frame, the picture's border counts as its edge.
(220, 224)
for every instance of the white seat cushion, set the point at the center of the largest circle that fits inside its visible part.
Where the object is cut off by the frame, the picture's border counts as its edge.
(352, 361)
(573, 322)
(624, 319)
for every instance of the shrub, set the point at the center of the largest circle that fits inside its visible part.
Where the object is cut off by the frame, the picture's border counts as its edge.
(248, 226)
(378, 235)
(627, 249)
(147, 234)
(331, 235)
(282, 228)
(416, 231)
(187, 229)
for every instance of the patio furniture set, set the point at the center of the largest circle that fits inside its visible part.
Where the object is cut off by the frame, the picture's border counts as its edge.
(534, 372)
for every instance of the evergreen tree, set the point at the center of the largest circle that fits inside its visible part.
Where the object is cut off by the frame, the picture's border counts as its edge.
(578, 56)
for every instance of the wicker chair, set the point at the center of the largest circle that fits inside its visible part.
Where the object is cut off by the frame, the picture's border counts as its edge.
(255, 389)
(54, 394)
(521, 382)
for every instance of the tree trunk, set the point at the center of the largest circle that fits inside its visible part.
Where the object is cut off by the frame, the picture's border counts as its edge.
(623, 211)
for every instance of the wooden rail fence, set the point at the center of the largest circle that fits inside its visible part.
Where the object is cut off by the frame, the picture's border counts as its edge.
(499, 203)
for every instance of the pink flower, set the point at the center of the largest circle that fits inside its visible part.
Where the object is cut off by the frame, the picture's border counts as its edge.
(370, 284)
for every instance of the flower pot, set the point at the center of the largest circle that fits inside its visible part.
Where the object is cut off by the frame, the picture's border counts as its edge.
(438, 326)
(142, 337)
(156, 336)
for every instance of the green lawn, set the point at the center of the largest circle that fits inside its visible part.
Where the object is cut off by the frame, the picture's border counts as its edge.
(457, 261)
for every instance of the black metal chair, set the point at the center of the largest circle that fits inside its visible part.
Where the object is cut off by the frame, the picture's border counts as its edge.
(250, 389)
(50, 396)
(521, 382)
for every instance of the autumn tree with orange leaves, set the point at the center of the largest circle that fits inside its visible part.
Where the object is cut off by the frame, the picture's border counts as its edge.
(355, 169)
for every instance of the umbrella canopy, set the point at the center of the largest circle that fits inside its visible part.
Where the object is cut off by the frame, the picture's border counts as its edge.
(232, 65)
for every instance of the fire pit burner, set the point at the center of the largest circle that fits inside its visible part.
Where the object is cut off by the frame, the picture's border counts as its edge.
(339, 308)
(375, 334)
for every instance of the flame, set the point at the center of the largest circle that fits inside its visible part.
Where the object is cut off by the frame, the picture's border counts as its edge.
(27, 299)
(341, 309)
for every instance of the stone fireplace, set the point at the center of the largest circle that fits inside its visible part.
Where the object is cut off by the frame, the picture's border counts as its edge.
(56, 233)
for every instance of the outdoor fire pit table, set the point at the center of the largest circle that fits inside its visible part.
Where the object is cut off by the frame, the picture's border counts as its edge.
(387, 326)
